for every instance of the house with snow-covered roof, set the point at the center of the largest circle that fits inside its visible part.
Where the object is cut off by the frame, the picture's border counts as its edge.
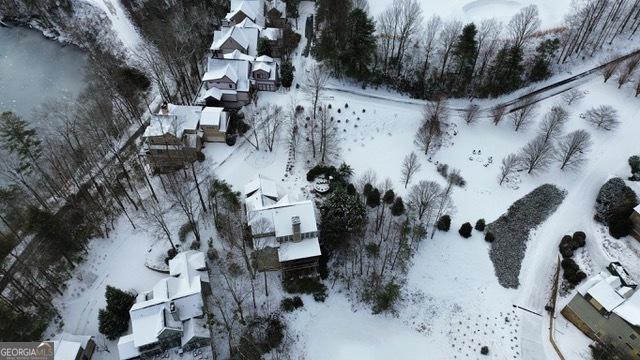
(264, 74)
(245, 9)
(275, 13)
(284, 232)
(635, 219)
(172, 313)
(172, 137)
(73, 347)
(227, 83)
(607, 310)
(239, 37)
(214, 122)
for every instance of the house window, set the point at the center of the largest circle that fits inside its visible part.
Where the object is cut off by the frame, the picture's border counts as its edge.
(633, 336)
(230, 86)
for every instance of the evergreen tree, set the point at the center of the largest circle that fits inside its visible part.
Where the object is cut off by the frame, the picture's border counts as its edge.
(397, 208)
(110, 325)
(358, 45)
(53, 230)
(343, 216)
(464, 57)
(119, 302)
(541, 67)
(263, 47)
(444, 223)
(373, 199)
(388, 197)
(18, 138)
(286, 74)
(505, 73)
(332, 14)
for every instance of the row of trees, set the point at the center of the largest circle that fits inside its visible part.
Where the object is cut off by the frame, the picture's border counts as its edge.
(434, 57)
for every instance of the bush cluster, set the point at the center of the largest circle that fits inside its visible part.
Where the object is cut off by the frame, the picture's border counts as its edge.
(572, 272)
(291, 303)
(306, 285)
(322, 170)
(569, 243)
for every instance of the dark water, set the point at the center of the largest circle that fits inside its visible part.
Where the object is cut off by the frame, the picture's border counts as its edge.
(35, 70)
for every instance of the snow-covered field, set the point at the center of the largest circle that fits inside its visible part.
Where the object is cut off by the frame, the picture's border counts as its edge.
(453, 303)
(551, 12)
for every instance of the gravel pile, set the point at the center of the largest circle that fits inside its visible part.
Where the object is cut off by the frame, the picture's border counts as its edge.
(512, 230)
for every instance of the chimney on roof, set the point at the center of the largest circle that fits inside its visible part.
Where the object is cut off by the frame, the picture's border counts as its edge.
(174, 311)
(164, 108)
(295, 223)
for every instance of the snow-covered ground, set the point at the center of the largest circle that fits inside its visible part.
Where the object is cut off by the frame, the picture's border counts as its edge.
(453, 304)
(551, 12)
(121, 24)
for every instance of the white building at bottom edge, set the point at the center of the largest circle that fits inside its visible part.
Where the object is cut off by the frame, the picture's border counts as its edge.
(172, 313)
(280, 224)
(73, 347)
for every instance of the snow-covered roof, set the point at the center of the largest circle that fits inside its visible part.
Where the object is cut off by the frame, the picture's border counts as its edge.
(246, 37)
(236, 70)
(248, 23)
(272, 34)
(278, 217)
(262, 183)
(637, 209)
(176, 120)
(194, 328)
(253, 9)
(66, 346)
(213, 116)
(262, 66)
(126, 348)
(264, 58)
(303, 249)
(604, 292)
(237, 55)
(630, 309)
(609, 292)
(182, 293)
(279, 5)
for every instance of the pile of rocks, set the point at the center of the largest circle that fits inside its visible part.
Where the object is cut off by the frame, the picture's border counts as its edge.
(511, 231)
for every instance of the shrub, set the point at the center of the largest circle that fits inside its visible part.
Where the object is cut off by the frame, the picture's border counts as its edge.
(212, 254)
(489, 237)
(306, 285)
(480, 225)
(184, 230)
(385, 298)
(614, 205)
(484, 350)
(290, 304)
(566, 251)
(444, 223)
(620, 225)
(318, 170)
(195, 245)
(634, 164)
(171, 253)
(579, 239)
(465, 230)
(397, 208)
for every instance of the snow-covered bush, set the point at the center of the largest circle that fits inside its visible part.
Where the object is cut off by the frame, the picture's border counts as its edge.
(614, 205)
(444, 223)
(291, 303)
(465, 230)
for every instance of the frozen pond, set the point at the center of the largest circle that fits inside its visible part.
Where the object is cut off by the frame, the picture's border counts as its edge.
(35, 70)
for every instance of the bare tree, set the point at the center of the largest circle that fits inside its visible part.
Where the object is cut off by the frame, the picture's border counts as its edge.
(254, 120)
(610, 67)
(510, 165)
(488, 42)
(625, 74)
(537, 155)
(362, 5)
(638, 87)
(328, 134)
(573, 148)
(498, 113)
(408, 24)
(524, 112)
(603, 116)
(179, 192)
(448, 38)
(523, 25)
(454, 179)
(423, 198)
(314, 85)
(271, 125)
(430, 33)
(410, 166)
(553, 123)
(471, 113)
(430, 131)
(572, 96)
(156, 220)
